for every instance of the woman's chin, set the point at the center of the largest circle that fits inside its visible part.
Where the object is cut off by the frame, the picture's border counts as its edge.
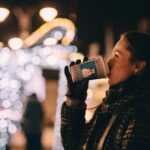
(111, 82)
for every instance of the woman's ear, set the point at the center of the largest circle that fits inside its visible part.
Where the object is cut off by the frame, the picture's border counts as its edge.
(139, 66)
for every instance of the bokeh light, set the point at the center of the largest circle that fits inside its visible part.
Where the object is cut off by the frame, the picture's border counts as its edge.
(4, 12)
(48, 13)
(50, 41)
(15, 43)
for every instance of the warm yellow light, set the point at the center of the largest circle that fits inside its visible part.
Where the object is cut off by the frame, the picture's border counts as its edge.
(48, 13)
(15, 43)
(50, 41)
(4, 12)
(1, 44)
(47, 27)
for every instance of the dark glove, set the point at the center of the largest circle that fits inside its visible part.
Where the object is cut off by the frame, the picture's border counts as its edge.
(78, 90)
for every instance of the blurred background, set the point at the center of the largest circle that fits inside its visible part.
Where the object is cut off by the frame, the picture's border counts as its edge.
(37, 39)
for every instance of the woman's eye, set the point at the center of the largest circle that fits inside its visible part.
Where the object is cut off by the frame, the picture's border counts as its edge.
(116, 54)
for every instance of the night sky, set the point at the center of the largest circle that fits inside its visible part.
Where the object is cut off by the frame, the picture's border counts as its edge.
(92, 16)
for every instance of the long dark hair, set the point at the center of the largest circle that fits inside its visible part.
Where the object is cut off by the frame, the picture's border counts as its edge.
(139, 45)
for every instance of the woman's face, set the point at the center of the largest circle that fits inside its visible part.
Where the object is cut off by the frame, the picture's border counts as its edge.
(121, 67)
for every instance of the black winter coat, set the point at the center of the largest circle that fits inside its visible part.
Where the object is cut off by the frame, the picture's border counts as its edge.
(130, 131)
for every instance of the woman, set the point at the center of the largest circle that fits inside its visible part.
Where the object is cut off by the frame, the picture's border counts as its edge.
(122, 121)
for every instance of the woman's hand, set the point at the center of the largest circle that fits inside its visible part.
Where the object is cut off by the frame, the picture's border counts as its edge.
(77, 91)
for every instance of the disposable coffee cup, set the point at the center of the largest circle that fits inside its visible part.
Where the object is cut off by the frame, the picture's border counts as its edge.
(96, 68)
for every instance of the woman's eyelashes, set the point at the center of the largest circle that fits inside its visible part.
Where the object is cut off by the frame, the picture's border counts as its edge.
(116, 54)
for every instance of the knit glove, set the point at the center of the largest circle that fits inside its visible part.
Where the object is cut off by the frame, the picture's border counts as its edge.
(77, 91)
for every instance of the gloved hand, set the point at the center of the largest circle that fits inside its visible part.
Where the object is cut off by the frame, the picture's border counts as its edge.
(76, 91)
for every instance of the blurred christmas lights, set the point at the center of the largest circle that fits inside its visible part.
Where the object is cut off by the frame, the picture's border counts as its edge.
(17, 68)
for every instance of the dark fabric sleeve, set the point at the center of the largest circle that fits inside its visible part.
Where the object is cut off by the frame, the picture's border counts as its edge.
(73, 126)
(137, 136)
